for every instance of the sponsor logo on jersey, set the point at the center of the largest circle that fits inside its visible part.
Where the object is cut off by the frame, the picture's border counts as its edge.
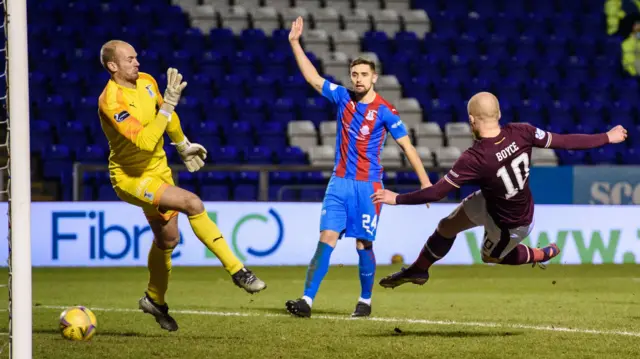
(453, 174)
(397, 124)
(332, 86)
(119, 117)
(364, 131)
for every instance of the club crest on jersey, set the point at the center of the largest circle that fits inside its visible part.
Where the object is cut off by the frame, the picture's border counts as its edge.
(539, 134)
(371, 115)
(119, 117)
(150, 91)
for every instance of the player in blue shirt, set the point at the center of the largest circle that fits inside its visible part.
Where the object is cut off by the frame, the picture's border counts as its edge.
(363, 120)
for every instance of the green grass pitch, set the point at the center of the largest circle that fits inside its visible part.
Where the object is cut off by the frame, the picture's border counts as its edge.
(463, 312)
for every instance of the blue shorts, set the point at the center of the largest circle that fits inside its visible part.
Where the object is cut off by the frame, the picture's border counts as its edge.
(347, 208)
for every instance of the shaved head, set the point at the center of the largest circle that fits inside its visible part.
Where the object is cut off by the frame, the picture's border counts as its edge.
(119, 58)
(484, 112)
(108, 52)
(484, 106)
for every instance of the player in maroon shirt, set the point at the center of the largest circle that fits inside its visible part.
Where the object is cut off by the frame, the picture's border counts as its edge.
(498, 162)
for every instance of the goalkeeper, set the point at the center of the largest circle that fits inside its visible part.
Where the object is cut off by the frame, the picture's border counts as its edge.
(134, 116)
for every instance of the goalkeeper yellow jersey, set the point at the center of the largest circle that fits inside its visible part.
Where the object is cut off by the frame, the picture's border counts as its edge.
(127, 119)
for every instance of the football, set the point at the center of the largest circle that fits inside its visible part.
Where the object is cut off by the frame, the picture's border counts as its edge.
(78, 323)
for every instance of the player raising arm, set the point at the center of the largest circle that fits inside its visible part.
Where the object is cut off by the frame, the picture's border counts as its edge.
(134, 116)
(499, 163)
(363, 120)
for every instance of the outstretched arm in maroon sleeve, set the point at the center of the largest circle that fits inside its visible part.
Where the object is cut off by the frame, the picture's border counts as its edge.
(580, 142)
(426, 195)
(577, 141)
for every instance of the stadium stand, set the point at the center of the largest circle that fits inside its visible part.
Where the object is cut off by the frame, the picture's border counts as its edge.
(550, 62)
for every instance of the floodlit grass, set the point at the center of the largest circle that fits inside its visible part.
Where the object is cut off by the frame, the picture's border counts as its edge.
(463, 312)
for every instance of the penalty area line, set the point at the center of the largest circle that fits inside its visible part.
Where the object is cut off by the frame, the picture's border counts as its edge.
(547, 328)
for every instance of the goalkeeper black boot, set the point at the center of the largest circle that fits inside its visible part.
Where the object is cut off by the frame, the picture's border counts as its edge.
(160, 312)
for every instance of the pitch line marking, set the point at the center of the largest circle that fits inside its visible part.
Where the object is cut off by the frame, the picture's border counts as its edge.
(549, 328)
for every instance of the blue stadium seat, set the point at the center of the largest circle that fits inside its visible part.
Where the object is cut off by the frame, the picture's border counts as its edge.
(276, 64)
(264, 87)
(220, 109)
(631, 156)
(292, 156)
(215, 192)
(200, 87)
(245, 192)
(214, 178)
(189, 109)
(240, 134)
(225, 155)
(244, 65)
(376, 41)
(295, 87)
(317, 109)
(232, 87)
(213, 64)
(603, 155)
(259, 155)
(407, 43)
(91, 154)
(252, 110)
(192, 41)
(255, 41)
(283, 110)
(272, 135)
(107, 193)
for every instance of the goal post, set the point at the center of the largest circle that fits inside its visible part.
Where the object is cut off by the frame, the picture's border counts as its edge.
(20, 297)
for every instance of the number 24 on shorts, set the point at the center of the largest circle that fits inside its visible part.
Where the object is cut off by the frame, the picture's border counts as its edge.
(369, 224)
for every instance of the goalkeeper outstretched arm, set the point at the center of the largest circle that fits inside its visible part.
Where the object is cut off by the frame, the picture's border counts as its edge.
(113, 107)
(192, 154)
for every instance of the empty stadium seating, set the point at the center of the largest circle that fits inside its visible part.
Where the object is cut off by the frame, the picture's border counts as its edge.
(550, 62)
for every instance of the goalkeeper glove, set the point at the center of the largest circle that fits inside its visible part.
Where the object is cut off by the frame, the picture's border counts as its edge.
(174, 87)
(192, 154)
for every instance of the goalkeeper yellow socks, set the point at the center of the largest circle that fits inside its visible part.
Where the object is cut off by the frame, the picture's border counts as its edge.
(209, 234)
(159, 264)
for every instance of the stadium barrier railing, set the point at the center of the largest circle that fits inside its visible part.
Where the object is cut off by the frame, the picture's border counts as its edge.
(79, 169)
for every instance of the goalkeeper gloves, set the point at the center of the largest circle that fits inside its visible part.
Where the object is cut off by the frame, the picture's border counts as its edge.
(192, 154)
(174, 87)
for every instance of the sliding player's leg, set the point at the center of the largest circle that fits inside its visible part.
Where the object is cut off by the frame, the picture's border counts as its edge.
(173, 198)
(166, 238)
(333, 221)
(503, 246)
(437, 246)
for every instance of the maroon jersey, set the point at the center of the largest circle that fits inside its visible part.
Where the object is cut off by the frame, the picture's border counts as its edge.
(500, 166)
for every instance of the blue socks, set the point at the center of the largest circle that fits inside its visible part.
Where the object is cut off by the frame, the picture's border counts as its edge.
(318, 268)
(367, 266)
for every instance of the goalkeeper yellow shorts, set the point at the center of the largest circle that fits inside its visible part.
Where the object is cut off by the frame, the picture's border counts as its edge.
(145, 191)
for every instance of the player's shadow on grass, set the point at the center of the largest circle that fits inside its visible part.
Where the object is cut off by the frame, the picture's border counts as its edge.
(442, 334)
(283, 310)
